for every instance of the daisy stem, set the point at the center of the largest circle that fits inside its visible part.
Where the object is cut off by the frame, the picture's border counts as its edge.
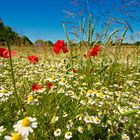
(13, 78)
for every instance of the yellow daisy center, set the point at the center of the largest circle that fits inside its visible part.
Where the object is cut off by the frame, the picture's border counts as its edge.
(4, 91)
(96, 119)
(16, 136)
(25, 122)
(52, 77)
(100, 94)
(84, 84)
(90, 91)
(62, 79)
(30, 98)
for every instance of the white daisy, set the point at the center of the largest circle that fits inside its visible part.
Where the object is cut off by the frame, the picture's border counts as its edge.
(94, 119)
(2, 129)
(57, 132)
(87, 119)
(80, 129)
(125, 137)
(25, 126)
(31, 100)
(89, 93)
(4, 92)
(91, 101)
(69, 124)
(16, 136)
(68, 135)
(83, 102)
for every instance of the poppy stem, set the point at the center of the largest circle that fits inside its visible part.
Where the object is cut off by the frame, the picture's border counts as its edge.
(13, 78)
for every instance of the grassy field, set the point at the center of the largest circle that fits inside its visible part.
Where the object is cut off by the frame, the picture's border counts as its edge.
(68, 96)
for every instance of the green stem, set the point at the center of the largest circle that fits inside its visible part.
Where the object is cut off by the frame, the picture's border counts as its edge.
(12, 74)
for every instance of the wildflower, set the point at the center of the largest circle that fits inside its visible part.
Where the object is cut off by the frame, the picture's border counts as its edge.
(52, 79)
(5, 53)
(99, 94)
(69, 124)
(125, 137)
(60, 45)
(80, 129)
(94, 51)
(62, 82)
(26, 126)
(95, 120)
(61, 90)
(34, 59)
(16, 136)
(91, 101)
(130, 82)
(36, 87)
(4, 92)
(87, 119)
(65, 114)
(85, 55)
(83, 102)
(68, 135)
(122, 110)
(57, 132)
(89, 92)
(1, 130)
(49, 85)
(84, 84)
(65, 50)
(31, 100)
(74, 70)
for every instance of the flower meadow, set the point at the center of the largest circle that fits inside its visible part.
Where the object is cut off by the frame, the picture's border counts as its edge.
(86, 92)
(93, 95)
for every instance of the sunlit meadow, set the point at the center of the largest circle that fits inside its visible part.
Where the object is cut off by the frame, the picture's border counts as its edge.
(77, 91)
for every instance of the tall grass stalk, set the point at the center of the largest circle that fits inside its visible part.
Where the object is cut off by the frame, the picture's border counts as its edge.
(13, 78)
(68, 44)
(3, 33)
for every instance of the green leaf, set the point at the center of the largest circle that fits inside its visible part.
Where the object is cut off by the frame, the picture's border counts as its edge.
(130, 112)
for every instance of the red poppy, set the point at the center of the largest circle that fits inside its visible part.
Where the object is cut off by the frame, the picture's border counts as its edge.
(36, 87)
(49, 85)
(74, 70)
(33, 59)
(94, 51)
(5, 53)
(1, 52)
(65, 50)
(85, 55)
(60, 45)
(56, 49)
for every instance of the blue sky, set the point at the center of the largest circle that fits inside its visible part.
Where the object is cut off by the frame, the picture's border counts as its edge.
(42, 19)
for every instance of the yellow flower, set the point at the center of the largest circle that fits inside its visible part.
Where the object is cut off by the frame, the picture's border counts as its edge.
(16, 136)
(104, 87)
(62, 79)
(4, 91)
(25, 126)
(53, 78)
(26, 122)
(30, 98)
(89, 91)
(84, 84)
(100, 94)
(51, 69)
